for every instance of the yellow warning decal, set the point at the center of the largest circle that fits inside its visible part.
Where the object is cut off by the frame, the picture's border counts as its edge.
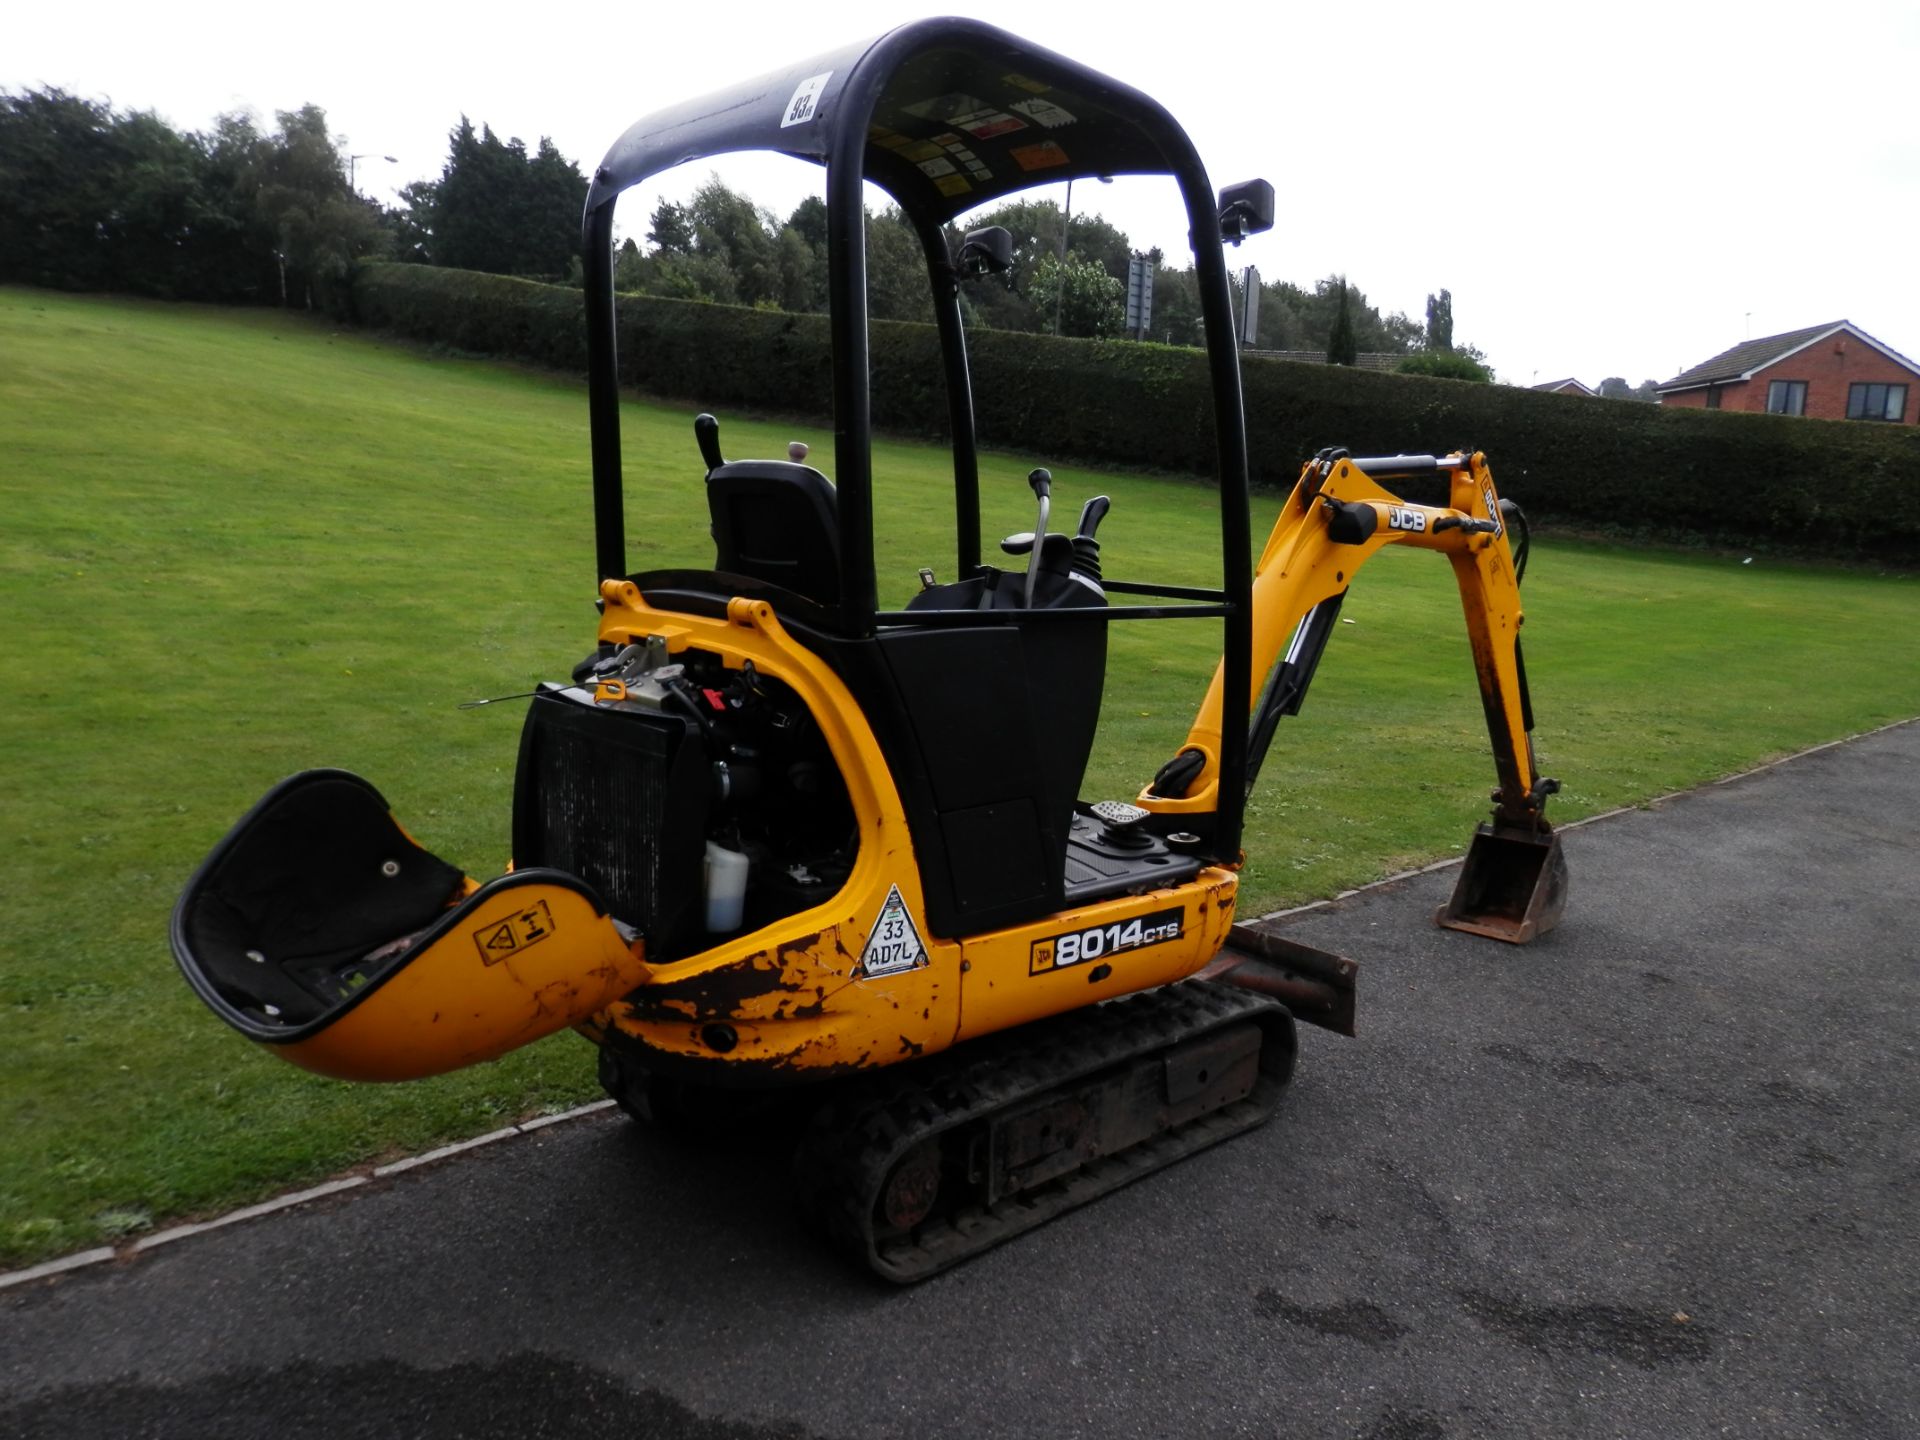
(509, 937)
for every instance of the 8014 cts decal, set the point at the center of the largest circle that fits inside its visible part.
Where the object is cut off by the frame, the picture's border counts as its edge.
(1077, 947)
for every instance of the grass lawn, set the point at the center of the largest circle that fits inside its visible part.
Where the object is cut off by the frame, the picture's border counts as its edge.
(236, 544)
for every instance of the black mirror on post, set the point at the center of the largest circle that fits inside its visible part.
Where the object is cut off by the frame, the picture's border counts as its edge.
(987, 252)
(1245, 209)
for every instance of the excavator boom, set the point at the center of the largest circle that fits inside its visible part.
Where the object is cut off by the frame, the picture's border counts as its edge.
(1338, 517)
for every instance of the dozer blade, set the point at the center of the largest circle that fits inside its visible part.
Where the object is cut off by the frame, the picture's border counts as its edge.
(1513, 886)
(318, 928)
(1316, 985)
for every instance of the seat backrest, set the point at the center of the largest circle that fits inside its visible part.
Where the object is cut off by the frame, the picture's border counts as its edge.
(777, 521)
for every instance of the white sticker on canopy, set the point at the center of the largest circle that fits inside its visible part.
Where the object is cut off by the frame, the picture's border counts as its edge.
(894, 943)
(1043, 112)
(806, 99)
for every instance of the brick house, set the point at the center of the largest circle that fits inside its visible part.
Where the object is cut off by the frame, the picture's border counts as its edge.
(1568, 386)
(1834, 371)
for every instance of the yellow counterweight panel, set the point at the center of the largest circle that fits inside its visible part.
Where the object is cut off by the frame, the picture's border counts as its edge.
(1112, 948)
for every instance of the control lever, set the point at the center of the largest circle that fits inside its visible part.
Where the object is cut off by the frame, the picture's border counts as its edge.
(1042, 482)
(1086, 549)
(706, 431)
(1091, 514)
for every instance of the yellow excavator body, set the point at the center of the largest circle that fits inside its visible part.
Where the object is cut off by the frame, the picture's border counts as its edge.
(774, 839)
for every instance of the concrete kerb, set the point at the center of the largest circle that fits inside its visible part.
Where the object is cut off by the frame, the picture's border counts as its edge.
(105, 1253)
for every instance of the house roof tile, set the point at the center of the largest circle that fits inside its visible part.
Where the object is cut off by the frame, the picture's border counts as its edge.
(1746, 356)
(1750, 355)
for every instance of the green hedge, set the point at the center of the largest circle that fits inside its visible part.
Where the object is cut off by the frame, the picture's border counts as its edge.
(1834, 487)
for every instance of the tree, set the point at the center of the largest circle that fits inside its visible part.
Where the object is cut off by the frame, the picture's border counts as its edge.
(670, 229)
(1615, 387)
(1007, 302)
(413, 222)
(1440, 322)
(315, 226)
(897, 287)
(1445, 364)
(730, 229)
(94, 199)
(498, 208)
(1341, 347)
(1090, 302)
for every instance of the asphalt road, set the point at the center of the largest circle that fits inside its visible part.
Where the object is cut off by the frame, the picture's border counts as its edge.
(1655, 1176)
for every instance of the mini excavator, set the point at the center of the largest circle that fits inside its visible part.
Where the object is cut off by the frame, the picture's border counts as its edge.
(770, 838)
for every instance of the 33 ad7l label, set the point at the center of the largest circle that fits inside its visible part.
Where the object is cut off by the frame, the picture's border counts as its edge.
(894, 943)
(1080, 947)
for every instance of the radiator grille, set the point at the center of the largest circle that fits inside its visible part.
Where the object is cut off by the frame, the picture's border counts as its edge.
(617, 798)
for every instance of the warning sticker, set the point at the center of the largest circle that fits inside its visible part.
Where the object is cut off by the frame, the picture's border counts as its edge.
(952, 185)
(1043, 156)
(805, 101)
(935, 168)
(1044, 113)
(509, 937)
(985, 124)
(1033, 87)
(894, 943)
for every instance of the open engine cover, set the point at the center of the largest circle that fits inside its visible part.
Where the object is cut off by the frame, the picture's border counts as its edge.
(319, 927)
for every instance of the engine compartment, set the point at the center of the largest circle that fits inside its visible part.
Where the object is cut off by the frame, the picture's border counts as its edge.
(655, 778)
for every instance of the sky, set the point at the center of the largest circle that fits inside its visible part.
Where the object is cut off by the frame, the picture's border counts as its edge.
(1606, 189)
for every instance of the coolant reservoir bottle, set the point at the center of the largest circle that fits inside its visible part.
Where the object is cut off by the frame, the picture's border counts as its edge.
(726, 888)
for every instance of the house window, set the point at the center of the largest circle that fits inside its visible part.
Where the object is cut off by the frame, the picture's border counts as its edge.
(1786, 397)
(1713, 397)
(1877, 402)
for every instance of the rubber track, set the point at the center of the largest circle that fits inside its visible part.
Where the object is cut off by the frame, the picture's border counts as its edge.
(854, 1143)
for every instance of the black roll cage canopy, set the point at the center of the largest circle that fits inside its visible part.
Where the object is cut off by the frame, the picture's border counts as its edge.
(945, 115)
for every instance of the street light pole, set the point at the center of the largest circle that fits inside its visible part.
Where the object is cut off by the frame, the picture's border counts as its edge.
(366, 155)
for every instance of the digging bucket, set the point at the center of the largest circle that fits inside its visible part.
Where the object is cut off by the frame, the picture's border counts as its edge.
(1513, 886)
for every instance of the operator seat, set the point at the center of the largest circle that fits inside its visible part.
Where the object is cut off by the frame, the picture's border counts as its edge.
(777, 521)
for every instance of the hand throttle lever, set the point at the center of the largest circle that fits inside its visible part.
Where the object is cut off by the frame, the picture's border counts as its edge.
(1042, 482)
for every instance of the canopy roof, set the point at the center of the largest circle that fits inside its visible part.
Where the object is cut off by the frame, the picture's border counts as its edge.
(955, 114)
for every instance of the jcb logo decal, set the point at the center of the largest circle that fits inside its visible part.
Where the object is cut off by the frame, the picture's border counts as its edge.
(1406, 518)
